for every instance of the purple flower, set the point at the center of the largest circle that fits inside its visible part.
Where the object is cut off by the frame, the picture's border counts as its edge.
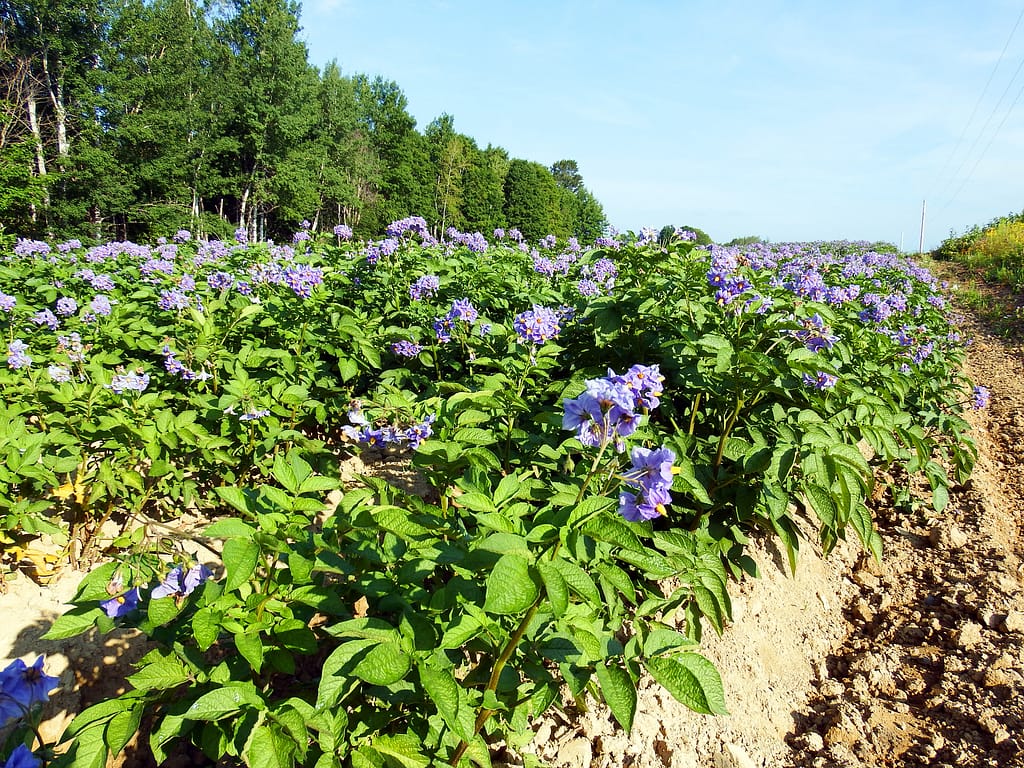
(7, 302)
(254, 415)
(59, 374)
(343, 232)
(651, 468)
(220, 281)
(101, 305)
(16, 357)
(179, 585)
(981, 397)
(66, 306)
(537, 325)
(587, 288)
(241, 236)
(134, 381)
(427, 285)
(121, 605)
(23, 757)
(406, 349)
(173, 299)
(820, 380)
(182, 236)
(47, 318)
(463, 309)
(23, 686)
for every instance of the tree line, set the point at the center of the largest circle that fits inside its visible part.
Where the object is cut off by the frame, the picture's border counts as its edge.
(134, 118)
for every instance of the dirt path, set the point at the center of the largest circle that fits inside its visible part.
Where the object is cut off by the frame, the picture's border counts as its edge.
(932, 671)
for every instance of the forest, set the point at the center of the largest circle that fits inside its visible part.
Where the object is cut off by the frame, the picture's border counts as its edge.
(129, 119)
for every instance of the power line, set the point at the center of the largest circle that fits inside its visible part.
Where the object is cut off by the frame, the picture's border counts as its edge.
(985, 150)
(977, 104)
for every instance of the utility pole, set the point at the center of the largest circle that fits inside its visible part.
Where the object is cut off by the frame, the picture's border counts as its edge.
(920, 243)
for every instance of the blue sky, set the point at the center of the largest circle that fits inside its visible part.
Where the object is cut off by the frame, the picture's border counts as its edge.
(789, 120)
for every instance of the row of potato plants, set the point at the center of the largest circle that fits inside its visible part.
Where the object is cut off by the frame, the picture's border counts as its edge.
(601, 429)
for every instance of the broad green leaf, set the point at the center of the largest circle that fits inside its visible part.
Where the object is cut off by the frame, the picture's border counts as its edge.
(578, 580)
(74, 622)
(403, 750)
(229, 528)
(250, 645)
(240, 557)
(236, 497)
(165, 672)
(443, 690)
(619, 692)
(510, 588)
(692, 680)
(268, 748)
(385, 664)
(555, 587)
(227, 700)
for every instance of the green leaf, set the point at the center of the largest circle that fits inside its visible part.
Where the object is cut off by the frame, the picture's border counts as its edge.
(385, 664)
(229, 528)
(578, 580)
(268, 748)
(227, 700)
(692, 680)
(162, 610)
(476, 501)
(443, 690)
(510, 588)
(206, 627)
(555, 587)
(250, 645)
(614, 530)
(619, 692)
(121, 728)
(74, 622)
(165, 672)
(236, 497)
(823, 504)
(240, 557)
(460, 632)
(403, 750)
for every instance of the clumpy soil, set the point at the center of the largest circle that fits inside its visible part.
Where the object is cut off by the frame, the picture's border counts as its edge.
(917, 660)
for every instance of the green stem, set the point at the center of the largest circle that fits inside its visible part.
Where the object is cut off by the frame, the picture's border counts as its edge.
(729, 423)
(693, 413)
(492, 684)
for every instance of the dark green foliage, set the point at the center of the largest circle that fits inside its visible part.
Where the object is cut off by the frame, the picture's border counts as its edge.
(148, 116)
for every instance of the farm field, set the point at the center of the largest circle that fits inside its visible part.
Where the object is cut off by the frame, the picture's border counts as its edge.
(610, 443)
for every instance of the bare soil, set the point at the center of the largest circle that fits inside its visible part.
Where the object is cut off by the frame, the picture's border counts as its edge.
(917, 660)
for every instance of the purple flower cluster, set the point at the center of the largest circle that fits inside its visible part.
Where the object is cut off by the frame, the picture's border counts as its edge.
(59, 374)
(820, 380)
(133, 381)
(182, 236)
(815, 335)
(980, 398)
(343, 232)
(101, 305)
(651, 474)
(302, 278)
(414, 225)
(7, 302)
(475, 241)
(362, 431)
(71, 345)
(462, 310)
(180, 584)
(31, 247)
(220, 281)
(425, 286)
(406, 349)
(176, 368)
(16, 357)
(47, 318)
(173, 299)
(537, 325)
(607, 409)
(22, 687)
(66, 306)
